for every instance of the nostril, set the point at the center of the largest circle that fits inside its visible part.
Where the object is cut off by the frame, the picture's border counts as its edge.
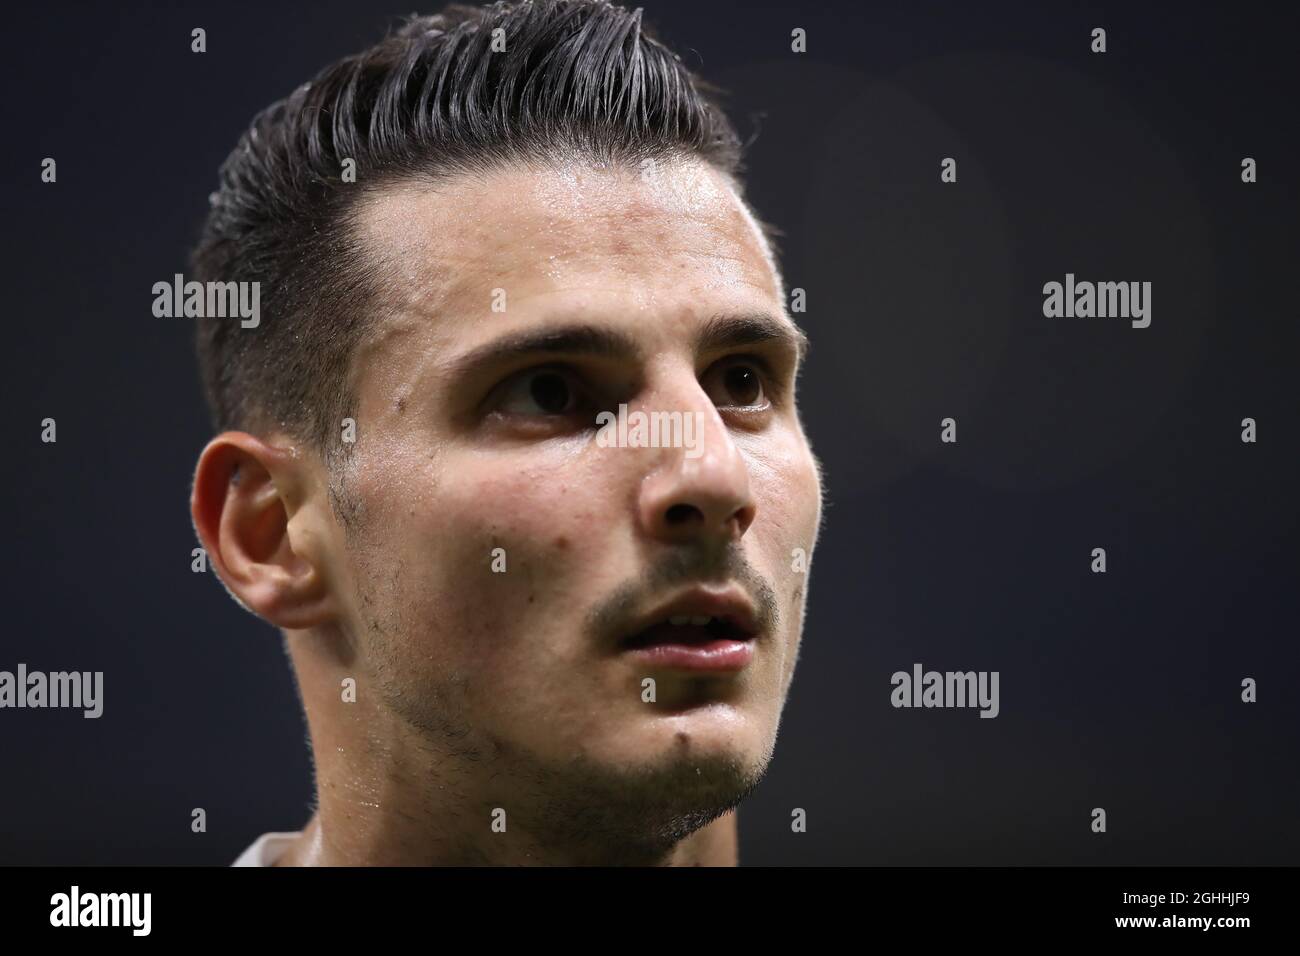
(681, 514)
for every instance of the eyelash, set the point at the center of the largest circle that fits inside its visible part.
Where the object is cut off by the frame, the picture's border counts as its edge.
(772, 387)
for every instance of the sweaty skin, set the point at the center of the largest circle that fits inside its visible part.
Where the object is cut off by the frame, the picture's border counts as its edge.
(492, 554)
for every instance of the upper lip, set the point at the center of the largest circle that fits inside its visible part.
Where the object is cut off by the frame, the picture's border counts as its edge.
(731, 605)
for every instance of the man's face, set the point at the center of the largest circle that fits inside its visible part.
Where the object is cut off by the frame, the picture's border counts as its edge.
(504, 560)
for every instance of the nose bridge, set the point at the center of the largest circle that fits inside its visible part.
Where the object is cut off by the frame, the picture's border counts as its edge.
(698, 485)
(704, 438)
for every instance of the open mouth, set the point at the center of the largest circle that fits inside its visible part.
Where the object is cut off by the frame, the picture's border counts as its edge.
(688, 631)
(693, 643)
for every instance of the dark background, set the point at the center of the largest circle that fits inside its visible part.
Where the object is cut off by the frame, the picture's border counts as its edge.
(1119, 690)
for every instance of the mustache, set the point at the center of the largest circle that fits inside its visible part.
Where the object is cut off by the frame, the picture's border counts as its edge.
(680, 568)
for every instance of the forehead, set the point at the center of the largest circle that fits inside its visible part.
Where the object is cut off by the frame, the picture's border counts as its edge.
(467, 262)
(467, 257)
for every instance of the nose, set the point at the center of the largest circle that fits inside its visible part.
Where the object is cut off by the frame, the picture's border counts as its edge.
(698, 495)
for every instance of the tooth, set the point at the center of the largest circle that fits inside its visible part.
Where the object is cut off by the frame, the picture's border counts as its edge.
(701, 621)
(680, 620)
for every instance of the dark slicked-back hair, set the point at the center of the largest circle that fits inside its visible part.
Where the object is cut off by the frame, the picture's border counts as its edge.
(470, 89)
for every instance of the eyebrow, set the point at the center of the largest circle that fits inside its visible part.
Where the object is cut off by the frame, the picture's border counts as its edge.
(721, 331)
(590, 340)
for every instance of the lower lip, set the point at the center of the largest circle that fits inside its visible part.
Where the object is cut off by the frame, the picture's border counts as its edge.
(717, 655)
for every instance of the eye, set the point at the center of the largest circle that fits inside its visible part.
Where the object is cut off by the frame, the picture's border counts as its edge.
(736, 383)
(540, 392)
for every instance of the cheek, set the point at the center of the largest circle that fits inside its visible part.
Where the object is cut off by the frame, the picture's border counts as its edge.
(788, 491)
(542, 517)
(496, 553)
(785, 483)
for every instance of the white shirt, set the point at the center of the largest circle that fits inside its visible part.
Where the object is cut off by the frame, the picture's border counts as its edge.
(266, 849)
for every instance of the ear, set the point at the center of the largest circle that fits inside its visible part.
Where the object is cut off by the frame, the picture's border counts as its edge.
(253, 509)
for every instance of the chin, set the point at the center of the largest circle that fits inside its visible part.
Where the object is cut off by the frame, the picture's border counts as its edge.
(717, 735)
(649, 784)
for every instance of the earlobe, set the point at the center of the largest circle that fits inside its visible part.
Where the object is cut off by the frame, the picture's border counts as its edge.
(246, 494)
